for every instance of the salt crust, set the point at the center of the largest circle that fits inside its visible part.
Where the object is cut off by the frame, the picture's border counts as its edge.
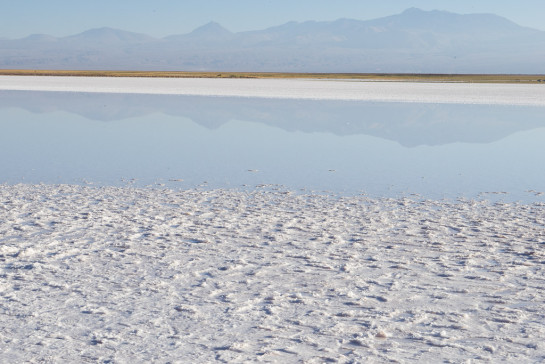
(420, 92)
(121, 275)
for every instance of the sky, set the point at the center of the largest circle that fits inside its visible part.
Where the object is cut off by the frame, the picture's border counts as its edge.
(159, 18)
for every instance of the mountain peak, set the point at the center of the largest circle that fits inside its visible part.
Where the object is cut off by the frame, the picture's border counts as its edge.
(418, 11)
(413, 10)
(210, 32)
(110, 35)
(212, 28)
(100, 32)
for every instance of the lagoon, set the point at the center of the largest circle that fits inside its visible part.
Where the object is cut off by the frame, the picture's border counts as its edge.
(376, 148)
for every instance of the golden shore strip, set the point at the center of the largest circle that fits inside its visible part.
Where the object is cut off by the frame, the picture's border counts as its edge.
(412, 77)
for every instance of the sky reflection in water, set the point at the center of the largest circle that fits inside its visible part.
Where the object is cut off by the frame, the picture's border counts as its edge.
(346, 147)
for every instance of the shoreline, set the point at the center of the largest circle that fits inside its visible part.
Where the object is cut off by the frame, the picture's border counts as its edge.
(291, 88)
(397, 77)
(518, 198)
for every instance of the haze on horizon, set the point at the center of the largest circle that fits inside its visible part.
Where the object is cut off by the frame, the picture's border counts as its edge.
(161, 18)
(413, 41)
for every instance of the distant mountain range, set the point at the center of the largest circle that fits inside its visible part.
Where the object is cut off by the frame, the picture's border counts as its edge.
(414, 41)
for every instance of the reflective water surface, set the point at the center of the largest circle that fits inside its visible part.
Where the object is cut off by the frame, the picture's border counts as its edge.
(346, 147)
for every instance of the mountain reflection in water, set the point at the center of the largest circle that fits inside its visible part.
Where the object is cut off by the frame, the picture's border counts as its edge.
(409, 124)
(442, 148)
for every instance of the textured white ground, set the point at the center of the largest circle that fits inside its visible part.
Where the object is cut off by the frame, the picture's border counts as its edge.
(457, 93)
(118, 275)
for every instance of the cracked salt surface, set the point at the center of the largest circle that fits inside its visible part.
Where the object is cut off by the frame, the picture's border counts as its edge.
(156, 275)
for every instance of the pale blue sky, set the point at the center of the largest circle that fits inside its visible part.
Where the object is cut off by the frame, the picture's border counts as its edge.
(19, 18)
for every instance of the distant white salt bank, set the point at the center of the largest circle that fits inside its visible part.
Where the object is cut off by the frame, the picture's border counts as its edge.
(451, 93)
(157, 275)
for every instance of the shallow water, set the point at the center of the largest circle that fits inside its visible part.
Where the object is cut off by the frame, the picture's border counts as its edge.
(347, 147)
